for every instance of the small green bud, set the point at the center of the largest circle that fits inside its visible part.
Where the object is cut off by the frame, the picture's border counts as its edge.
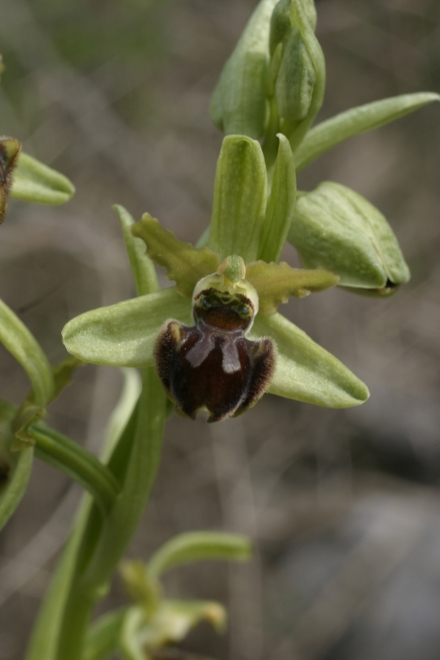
(309, 9)
(337, 229)
(296, 80)
(238, 104)
(280, 26)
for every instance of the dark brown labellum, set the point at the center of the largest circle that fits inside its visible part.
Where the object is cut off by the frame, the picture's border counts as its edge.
(212, 366)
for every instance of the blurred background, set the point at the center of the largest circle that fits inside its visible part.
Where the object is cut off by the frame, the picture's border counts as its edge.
(343, 506)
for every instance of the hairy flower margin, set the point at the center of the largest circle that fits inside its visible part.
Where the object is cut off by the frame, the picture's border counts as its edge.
(267, 98)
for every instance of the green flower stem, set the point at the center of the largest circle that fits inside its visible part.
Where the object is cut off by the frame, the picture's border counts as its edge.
(23, 346)
(134, 463)
(78, 463)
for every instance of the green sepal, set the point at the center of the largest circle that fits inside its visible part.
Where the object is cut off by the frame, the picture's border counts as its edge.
(275, 283)
(142, 267)
(15, 467)
(35, 182)
(280, 205)
(304, 370)
(199, 546)
(124, 334)
(9, 152)
(331, 132)
(295, 80)
(239, 199)
(238, 104)
(337, 229)
(185, 264)
(17, 339)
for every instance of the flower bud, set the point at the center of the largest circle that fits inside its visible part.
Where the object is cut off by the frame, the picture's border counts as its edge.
(280, 26)
(337, 229)
(296, 79)
(212, 366)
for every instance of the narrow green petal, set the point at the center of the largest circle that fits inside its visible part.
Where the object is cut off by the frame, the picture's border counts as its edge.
(357, 120)
(35, 182)
(15, 467)
(305, 371)
(280, 205)
(144, 272)
(199, 546)
(239, 199)
(185, 264)
(238, 104)
(275, 283)
(17, 339)
(123, 335)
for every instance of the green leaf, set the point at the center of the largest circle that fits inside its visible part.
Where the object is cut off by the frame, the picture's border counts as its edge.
(275, 283)
(79, 464)
(15, 467)
(185, 264)
(337, 229)
(357, 120)
(280, 205)
(17, 339)
(123, 335)
(239, 199)
(306, 372)
(198, 546)
(142, 267)
(238, 104)
(35, 182)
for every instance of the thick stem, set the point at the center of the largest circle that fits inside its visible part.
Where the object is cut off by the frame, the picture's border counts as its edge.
(134, 461)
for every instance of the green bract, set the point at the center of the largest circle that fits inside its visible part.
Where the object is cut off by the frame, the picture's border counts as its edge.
(238, 103)
(337, 229)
